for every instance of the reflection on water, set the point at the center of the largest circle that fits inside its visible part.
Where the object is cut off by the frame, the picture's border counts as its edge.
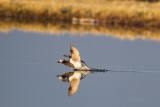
(120, 32)
(28, 70)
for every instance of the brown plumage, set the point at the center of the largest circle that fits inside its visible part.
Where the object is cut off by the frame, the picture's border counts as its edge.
(75, 53)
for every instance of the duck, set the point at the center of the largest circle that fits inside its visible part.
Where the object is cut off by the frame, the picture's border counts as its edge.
(74, 60)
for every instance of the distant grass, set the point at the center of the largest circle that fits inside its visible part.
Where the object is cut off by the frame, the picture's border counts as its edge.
(124, 19)
(116, 13)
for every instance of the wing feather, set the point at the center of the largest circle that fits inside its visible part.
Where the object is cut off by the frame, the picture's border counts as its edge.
(75, 53)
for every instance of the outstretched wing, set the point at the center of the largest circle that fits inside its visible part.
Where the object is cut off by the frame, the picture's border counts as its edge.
(73, 86)
(74, 53)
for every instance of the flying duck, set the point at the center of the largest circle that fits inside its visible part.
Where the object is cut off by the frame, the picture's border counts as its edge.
(74, 60)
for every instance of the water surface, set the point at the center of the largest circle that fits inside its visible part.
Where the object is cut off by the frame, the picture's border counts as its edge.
(28, 70)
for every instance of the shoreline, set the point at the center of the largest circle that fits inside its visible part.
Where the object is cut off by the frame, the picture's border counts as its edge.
(113, 13)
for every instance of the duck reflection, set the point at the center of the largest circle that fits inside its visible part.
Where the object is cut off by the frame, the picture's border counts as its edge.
(74, 78)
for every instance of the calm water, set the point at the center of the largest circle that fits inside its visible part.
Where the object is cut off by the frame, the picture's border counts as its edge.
(28, 71)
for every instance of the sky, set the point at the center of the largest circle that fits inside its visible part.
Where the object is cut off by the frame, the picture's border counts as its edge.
(28, 71)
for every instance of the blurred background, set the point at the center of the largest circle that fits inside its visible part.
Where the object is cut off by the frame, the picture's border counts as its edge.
(118, 35)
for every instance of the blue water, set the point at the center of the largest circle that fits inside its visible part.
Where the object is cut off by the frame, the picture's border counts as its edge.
(28, 71)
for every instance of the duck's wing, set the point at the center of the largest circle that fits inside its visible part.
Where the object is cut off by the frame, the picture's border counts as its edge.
(73, 86)
(75, 53)
(68, 56)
